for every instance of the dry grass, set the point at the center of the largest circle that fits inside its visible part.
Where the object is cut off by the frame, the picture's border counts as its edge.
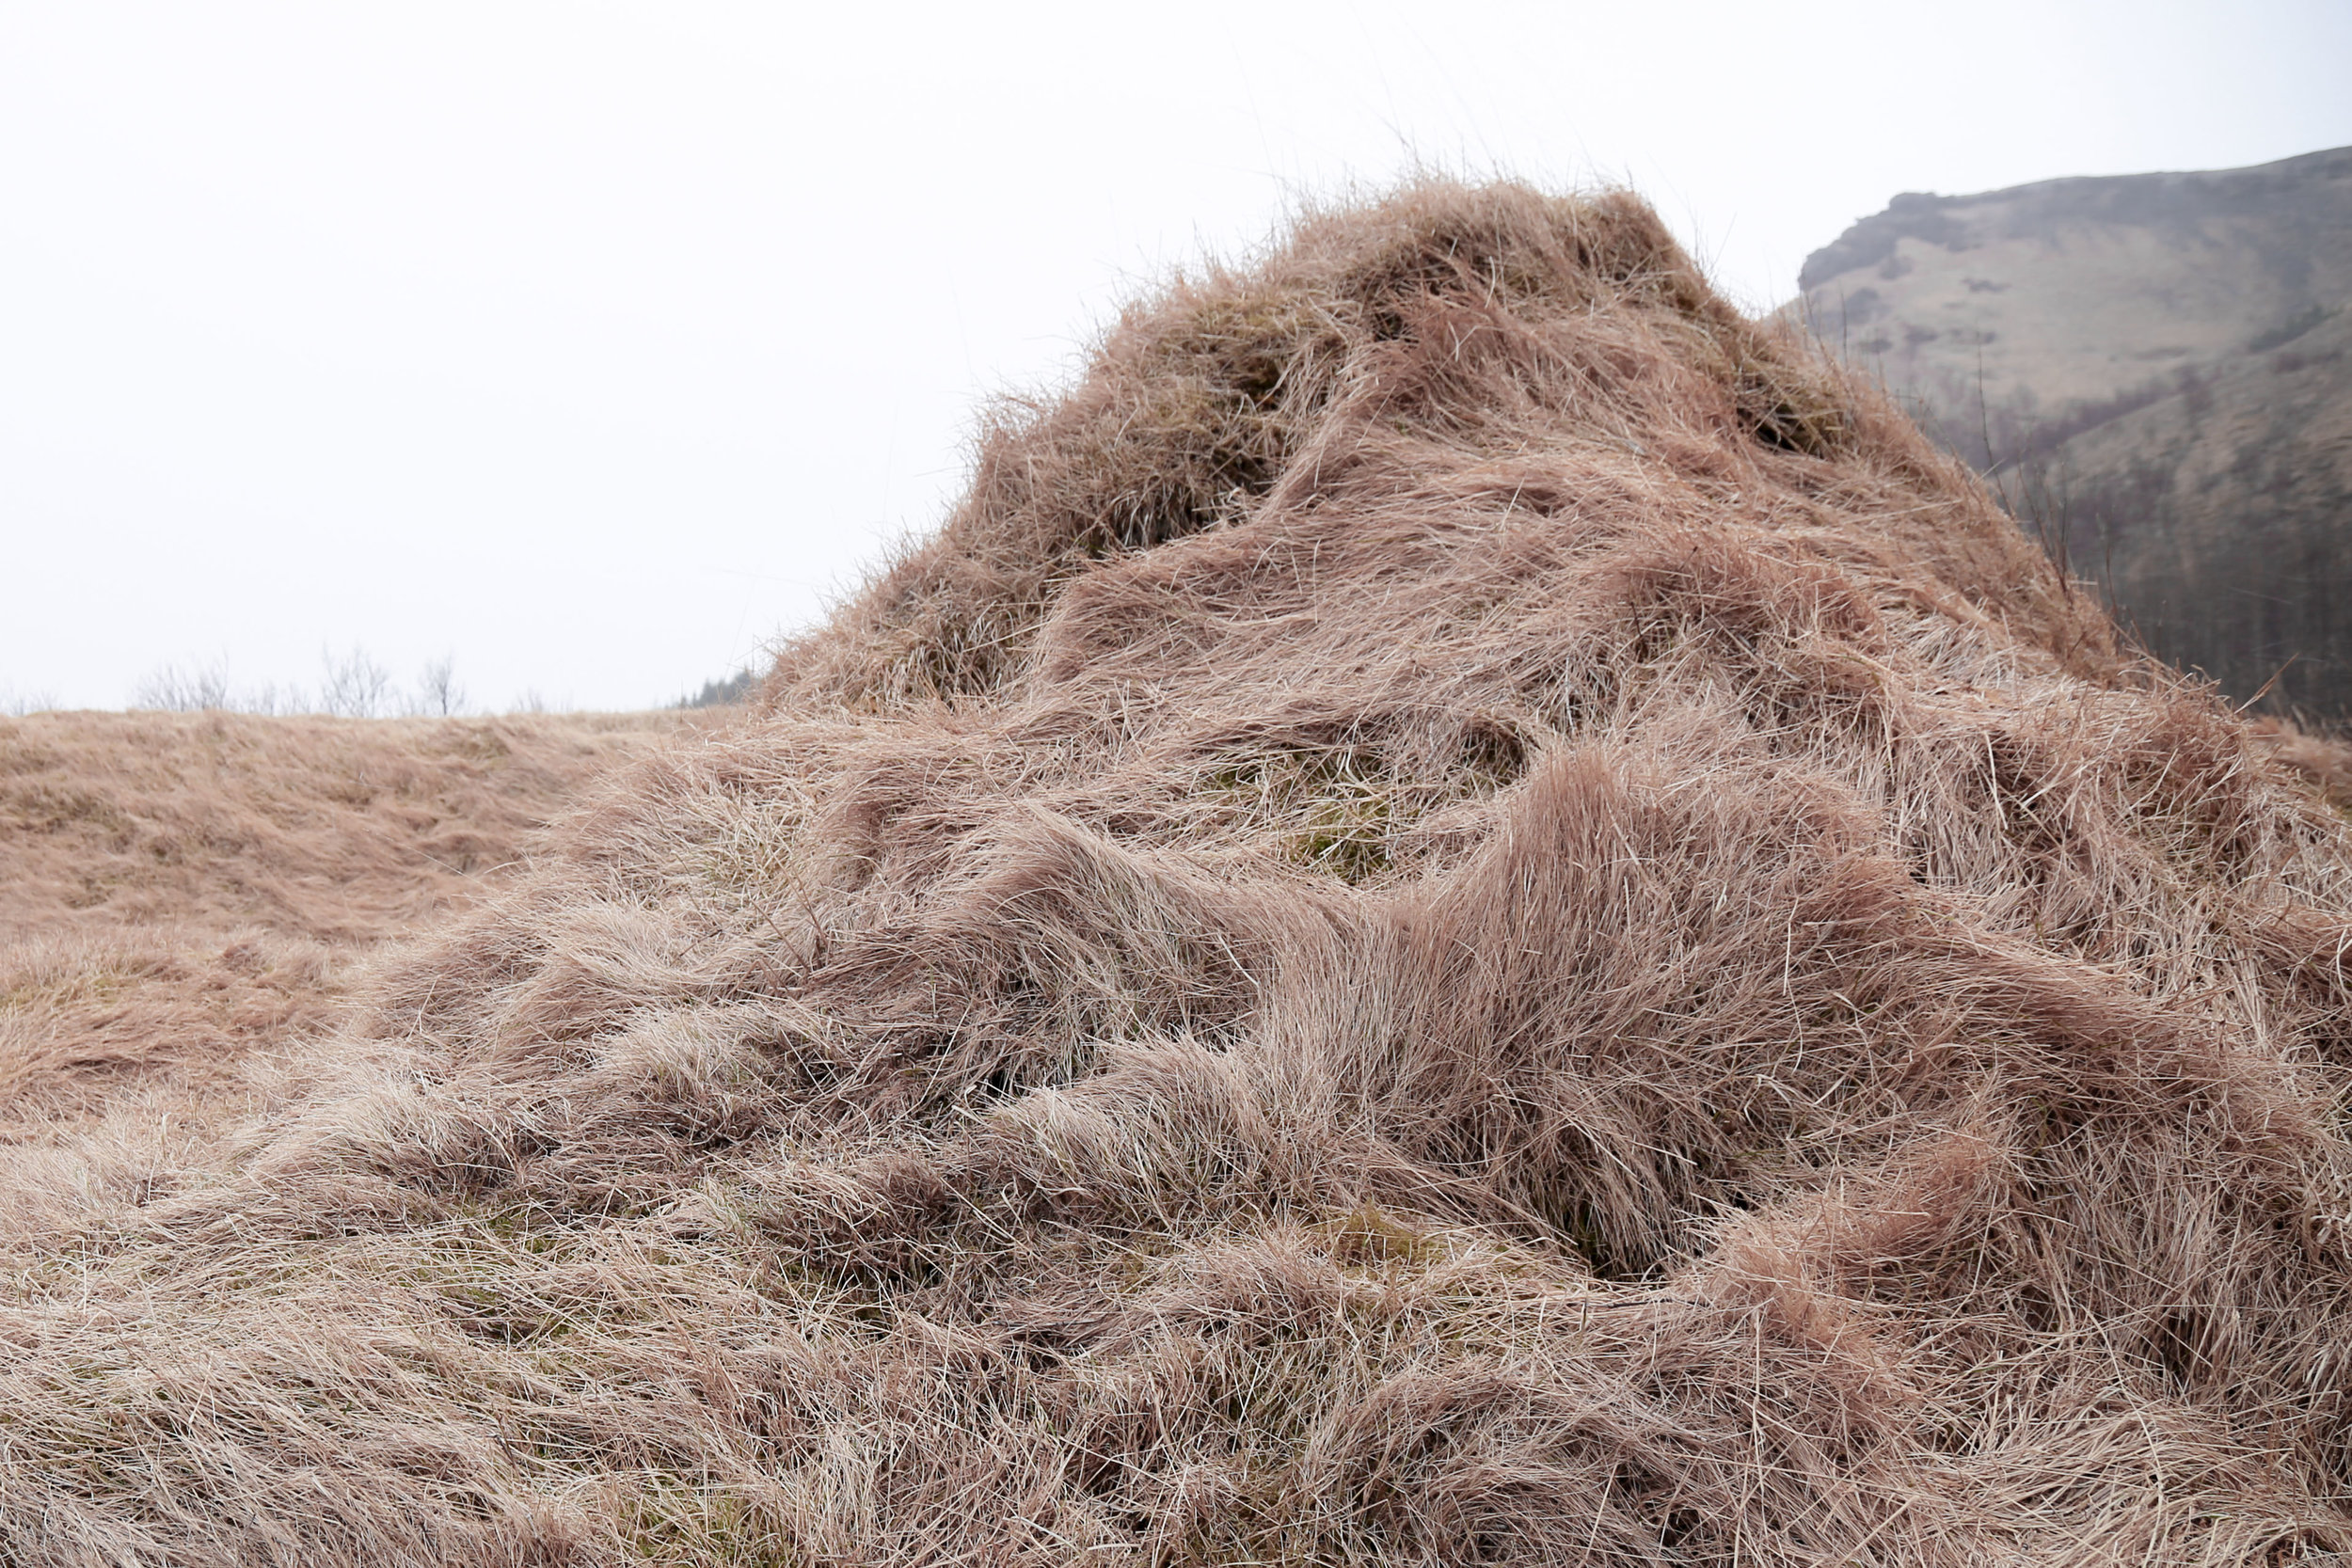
(1470, 912)
(182, 895)
(2323, 760)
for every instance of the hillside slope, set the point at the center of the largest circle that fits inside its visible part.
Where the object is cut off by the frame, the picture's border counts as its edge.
(1469, 910)
(2156, 368)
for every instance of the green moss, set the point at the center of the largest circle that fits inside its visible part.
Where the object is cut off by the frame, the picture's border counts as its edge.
(671, 1519)
(1367, 1236)
(1332, 808)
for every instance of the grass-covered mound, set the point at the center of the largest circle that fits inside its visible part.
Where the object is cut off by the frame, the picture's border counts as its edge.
(1468, 913)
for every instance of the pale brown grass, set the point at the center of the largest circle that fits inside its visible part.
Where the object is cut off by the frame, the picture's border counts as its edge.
(184, 895)
(2323, 759)
(1470, 912)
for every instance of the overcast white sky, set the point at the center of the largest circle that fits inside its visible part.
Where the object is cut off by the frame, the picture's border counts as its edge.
(598, 344)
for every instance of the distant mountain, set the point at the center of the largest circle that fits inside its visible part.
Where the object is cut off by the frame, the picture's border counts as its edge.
(2156, 370)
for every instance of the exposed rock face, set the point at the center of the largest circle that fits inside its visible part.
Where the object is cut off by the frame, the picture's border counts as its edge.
(2155, 368)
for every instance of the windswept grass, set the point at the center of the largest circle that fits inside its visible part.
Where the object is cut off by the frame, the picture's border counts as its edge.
(1468, 913)
(183, 900)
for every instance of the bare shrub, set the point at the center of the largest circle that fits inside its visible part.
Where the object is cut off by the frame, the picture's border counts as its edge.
(353, 685)
(438, 693)
(272, 698)
(18, 703)
(183, 689)
(207, 689)
(1469, 910)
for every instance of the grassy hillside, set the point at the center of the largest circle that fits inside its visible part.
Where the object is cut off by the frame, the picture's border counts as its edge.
(1469, 911)
(2156, 369)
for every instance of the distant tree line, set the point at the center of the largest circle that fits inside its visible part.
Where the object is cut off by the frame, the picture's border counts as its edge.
(726, 693)
(351, 685)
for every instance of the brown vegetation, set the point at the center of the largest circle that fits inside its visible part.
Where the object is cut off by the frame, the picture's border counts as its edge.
(180, 891)
(1471, 911)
